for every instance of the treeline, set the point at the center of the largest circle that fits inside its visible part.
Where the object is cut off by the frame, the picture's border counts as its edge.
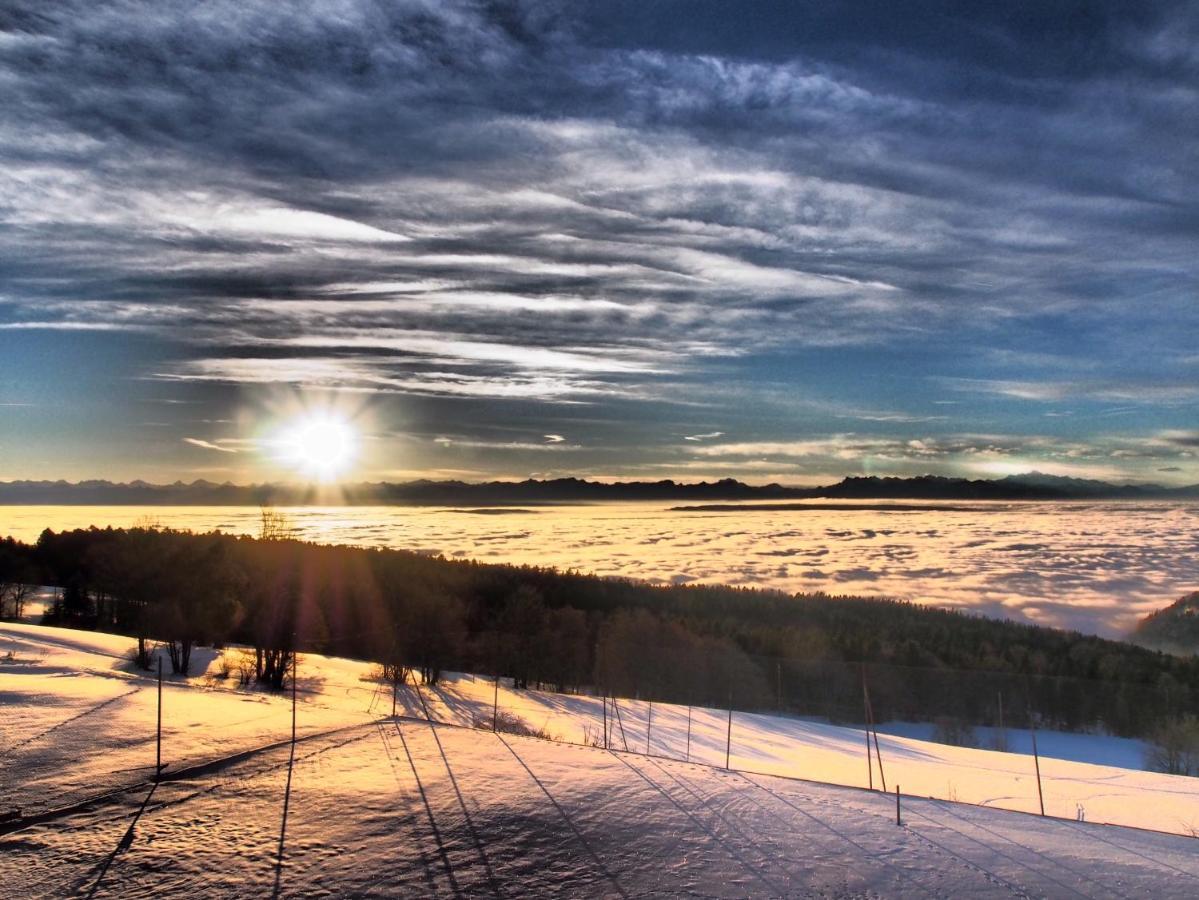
(570, 632)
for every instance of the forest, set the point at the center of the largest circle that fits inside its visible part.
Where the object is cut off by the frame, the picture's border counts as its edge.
(419, 616)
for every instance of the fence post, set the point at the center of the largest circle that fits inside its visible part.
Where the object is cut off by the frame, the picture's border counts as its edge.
(1001, 741)
(158, 736)
(605, 699)
(778, 674)
(620, 721)
(898, 820)
(1036, 759)
(881, 774)
(866, 716)
(649, 726)
(870, 726)
(394, 690)
(495, 704)
(728, 743)
(295, 663)
(688, 732)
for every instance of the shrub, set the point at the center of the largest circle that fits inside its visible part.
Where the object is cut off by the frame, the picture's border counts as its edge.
(512, 724)
(1174, 747)
(955, 732)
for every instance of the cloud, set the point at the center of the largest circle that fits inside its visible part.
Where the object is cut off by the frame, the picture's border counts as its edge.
(1140, 390)
(525, 446)
(963, 455)
(209, 445)
(552, 204)
(1180, 438)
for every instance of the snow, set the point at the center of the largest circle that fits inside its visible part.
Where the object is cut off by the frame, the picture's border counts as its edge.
(1123, 753)
(376, 806)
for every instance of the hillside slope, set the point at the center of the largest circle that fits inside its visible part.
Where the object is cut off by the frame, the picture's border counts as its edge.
(1174, 629)
(375, 806)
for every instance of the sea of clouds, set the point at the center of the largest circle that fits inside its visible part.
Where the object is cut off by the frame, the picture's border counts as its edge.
(1096, 567)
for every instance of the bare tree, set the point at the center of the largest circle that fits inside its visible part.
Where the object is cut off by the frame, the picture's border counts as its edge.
(275, 526)
(1174, 747)
(13, 597)
(17, 578)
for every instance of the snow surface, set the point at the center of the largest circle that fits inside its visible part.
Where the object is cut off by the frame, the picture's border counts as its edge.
(375, 806)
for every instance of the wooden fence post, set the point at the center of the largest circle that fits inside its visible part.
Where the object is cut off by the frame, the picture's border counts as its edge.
(158, 738)
(728, 743)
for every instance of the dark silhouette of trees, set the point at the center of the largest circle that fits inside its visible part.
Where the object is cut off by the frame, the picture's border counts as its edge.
(18, 577)
(432, 634)
(270, 604)
(134, 569)
(199, 604)
(520, 625)
(803, 653)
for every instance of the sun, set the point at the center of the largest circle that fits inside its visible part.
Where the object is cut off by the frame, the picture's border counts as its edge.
(322, 447)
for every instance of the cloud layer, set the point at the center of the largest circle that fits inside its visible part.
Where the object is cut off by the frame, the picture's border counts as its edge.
(643, 231)
(1097, 567)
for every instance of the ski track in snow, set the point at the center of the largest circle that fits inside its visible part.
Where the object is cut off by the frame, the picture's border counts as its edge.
(372, 807)
(63, 724)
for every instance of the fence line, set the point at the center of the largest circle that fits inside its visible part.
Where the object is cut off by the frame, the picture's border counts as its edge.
(509, 714)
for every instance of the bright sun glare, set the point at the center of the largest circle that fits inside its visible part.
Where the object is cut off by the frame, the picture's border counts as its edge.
(321, 447)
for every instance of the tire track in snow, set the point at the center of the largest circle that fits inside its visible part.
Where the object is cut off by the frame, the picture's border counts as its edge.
(424, 796)
(470, 822)
(146, 808)
(751, 836)
(845, 839)
(806, 835)
(731, 851)
(261, 770)
(410, 817)
(993, 877)
(570, 822)
(866, 852)
(63, 724)
(114, 794)
(1093, 832)
(601, 807)
(1048, 860)
(987, 847)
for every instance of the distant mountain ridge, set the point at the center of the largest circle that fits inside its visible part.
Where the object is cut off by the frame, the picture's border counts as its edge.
(1033, 486)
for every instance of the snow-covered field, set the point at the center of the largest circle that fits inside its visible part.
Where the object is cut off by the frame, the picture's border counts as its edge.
(375, 806)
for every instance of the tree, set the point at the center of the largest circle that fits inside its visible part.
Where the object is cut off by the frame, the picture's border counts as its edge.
(271, 603)
(1174, 747)
(520, 625)
(17, 579)
(431, 631)
(135, 569)
(563, 649)
(275, 526)
(200, 601)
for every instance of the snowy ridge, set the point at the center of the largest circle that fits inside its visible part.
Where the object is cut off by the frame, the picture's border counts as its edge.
(377, 806)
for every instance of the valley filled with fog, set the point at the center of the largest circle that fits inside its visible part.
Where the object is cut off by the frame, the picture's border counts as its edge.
(1094, 566)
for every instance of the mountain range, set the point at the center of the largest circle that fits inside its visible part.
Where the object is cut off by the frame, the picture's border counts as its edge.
(1032, 486)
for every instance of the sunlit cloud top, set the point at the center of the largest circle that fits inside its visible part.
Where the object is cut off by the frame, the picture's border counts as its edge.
(659, 239)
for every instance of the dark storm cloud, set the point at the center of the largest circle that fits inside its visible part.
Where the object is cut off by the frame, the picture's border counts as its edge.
(595, 202)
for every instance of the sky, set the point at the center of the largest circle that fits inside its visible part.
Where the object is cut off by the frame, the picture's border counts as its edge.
(770, 241)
